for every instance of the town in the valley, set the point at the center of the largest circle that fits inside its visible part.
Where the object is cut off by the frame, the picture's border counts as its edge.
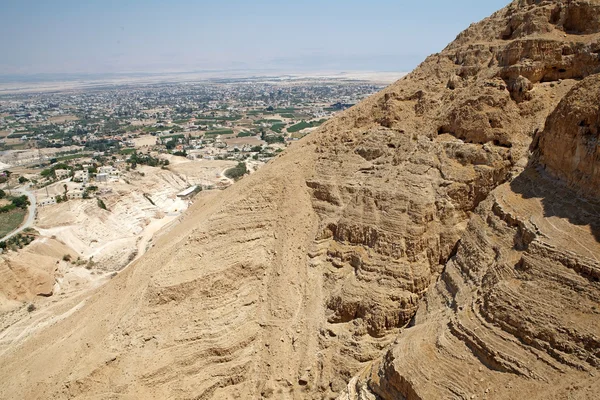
(89, 175)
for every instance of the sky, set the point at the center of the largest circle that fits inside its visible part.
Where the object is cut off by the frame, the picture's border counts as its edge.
(150, 36)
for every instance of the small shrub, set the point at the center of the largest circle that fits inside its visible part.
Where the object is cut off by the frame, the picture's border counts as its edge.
(101, 204)
(31, 307)
(66, 257)
(237, 172)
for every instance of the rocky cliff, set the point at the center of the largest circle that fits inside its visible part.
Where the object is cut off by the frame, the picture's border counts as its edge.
(439, 240)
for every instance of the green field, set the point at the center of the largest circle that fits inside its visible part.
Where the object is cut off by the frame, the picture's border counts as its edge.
(284, 110)
(219, 118)
(278, 127)
(16, 146)
(19, 135)
(266, 121)
(126, 152)
(151, 129)
(303, 125)
(298, 135)
(219, 132)
(11, 220)
(298, 127)
(72, 157)
(256, 112)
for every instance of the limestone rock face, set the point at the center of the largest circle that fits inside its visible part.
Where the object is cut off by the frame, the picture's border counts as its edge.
(569, 145)
(412, 247)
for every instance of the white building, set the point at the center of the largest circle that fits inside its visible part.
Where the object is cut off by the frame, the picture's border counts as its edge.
(81, 176)
(188, 193)
(75, 194)
(48, 201)
(102, 177)
(62, 173)
(109, 170)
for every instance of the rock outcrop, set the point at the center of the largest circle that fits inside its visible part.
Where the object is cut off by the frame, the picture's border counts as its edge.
(430, 242)
(568, 147)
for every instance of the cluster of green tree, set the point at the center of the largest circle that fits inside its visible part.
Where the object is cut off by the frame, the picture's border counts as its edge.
(49, 172)
(102, 145)
(126, 152)
(19, 135)
(237, 172)
(145, 159)
(44, 130)
(278, 127)
(219, 132)
(180, 153)
(111, 126)
(184, 110)
(19, 241)
(101, 204)
(338, 106)
(44, 144)
(273, 139)
(172, 141)
(245, 134)
(15, 202)
(88, 190)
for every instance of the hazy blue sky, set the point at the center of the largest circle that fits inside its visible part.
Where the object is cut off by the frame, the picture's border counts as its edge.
(93, 36)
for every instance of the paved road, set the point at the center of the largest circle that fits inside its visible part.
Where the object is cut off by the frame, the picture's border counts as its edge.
(30, 217)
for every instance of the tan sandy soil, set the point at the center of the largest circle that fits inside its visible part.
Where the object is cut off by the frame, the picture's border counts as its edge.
(105, 241)
(145, 122)
(62, 118)
(240, 141)
(143, 141)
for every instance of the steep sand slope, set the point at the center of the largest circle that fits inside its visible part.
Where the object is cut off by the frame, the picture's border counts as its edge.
(423, 199)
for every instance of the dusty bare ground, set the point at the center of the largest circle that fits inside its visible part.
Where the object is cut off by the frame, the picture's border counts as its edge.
(144, 141)
(250, 140)
(99, 241)
(62, 118)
